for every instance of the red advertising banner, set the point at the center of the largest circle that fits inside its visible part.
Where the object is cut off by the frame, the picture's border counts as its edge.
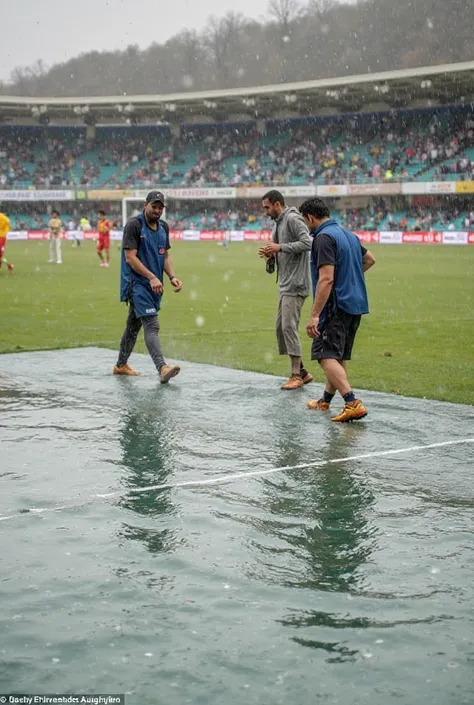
(383, 237)
(368, 236)
(421, 237)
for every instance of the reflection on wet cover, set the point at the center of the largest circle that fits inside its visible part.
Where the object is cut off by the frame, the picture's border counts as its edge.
(146, 433)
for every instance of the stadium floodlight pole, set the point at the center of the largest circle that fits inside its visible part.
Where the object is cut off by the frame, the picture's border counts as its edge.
(124, 212)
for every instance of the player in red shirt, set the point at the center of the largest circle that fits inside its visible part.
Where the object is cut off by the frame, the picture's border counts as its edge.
(103, 244)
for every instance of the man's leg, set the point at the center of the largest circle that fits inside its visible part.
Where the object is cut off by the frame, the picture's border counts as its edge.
(129, 338)
(329, 388)
(151, 329)
(332, 348)
(99, 252)
(336, 376)
(107, 254)
(52, 248)
(291, 307)
(58, 251)
(278, 330)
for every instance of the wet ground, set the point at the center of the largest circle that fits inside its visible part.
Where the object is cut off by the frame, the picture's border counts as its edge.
(282, 558)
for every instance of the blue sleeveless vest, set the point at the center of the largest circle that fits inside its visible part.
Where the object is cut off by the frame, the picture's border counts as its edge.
(349, 282)
(135, 288)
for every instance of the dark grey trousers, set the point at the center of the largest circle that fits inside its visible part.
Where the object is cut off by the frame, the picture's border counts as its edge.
(152, 341)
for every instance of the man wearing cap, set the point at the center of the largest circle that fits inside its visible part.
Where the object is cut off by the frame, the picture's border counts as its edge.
(145, 258)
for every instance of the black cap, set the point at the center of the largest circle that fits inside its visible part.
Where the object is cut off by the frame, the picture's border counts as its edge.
(155, 196)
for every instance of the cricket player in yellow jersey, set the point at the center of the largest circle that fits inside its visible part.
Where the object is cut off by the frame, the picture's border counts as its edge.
(4, 230)
(55, 227)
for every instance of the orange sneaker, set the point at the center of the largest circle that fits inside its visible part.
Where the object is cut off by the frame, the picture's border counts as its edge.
(10, 268)
(167, 373)
(295, 382)
(125, 370)
(318, 405)
(352, 411)
(307, 378)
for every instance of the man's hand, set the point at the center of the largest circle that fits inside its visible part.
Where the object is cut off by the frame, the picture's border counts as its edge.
(269, 250)
(156, 285)
(177, 284)
(312, 327)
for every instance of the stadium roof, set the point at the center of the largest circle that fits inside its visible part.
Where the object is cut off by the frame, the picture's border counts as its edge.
(434, 85)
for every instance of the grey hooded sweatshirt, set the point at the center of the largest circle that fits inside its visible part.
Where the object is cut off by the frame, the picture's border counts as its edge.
(291, 233)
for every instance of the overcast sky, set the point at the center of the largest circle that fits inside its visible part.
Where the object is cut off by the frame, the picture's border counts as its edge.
(57, 30)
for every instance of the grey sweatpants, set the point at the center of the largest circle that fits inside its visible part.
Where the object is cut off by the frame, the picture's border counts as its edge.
(287, 324)
(129, 338)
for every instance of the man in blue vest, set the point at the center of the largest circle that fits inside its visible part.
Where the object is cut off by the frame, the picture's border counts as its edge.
(340, 299)
(145, 258)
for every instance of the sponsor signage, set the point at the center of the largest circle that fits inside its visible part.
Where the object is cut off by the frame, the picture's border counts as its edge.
(455, 238)
(465, 187)
(186, 194)
(434, 187)
(368, 236)
(332, 190)
(394, 238)
(382, 237)
(34, 195)
(391, 189)
(109, 194)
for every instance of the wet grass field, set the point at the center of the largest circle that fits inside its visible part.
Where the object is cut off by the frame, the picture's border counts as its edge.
(417, 341)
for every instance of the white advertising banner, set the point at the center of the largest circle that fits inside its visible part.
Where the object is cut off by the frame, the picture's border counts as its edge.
(191, 235)
(37, 195)
(414, 189)
(454, 238)
(434, 187)
(187, 194)
(332, 190)
(393, 238)
(18, 235)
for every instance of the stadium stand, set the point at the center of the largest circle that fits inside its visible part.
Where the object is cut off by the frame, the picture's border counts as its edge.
(405, 146)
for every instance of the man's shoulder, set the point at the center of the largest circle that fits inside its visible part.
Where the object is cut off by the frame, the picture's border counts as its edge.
(164, 225)
(134, 222)
(294, 214)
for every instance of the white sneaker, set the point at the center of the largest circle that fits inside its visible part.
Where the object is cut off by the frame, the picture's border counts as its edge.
(59, 261)
(106, 264)
(102, 264)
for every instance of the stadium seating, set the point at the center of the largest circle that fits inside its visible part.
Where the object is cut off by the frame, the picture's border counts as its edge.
(416, 145)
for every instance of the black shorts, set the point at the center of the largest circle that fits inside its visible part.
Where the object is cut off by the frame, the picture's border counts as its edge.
(336, 336)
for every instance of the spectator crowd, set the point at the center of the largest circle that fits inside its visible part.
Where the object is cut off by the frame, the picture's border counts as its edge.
(362, 149)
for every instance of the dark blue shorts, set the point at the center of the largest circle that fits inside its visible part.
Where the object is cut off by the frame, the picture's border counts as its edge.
(336, 336)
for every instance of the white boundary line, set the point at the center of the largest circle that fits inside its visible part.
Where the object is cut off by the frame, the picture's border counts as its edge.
(222, 479)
